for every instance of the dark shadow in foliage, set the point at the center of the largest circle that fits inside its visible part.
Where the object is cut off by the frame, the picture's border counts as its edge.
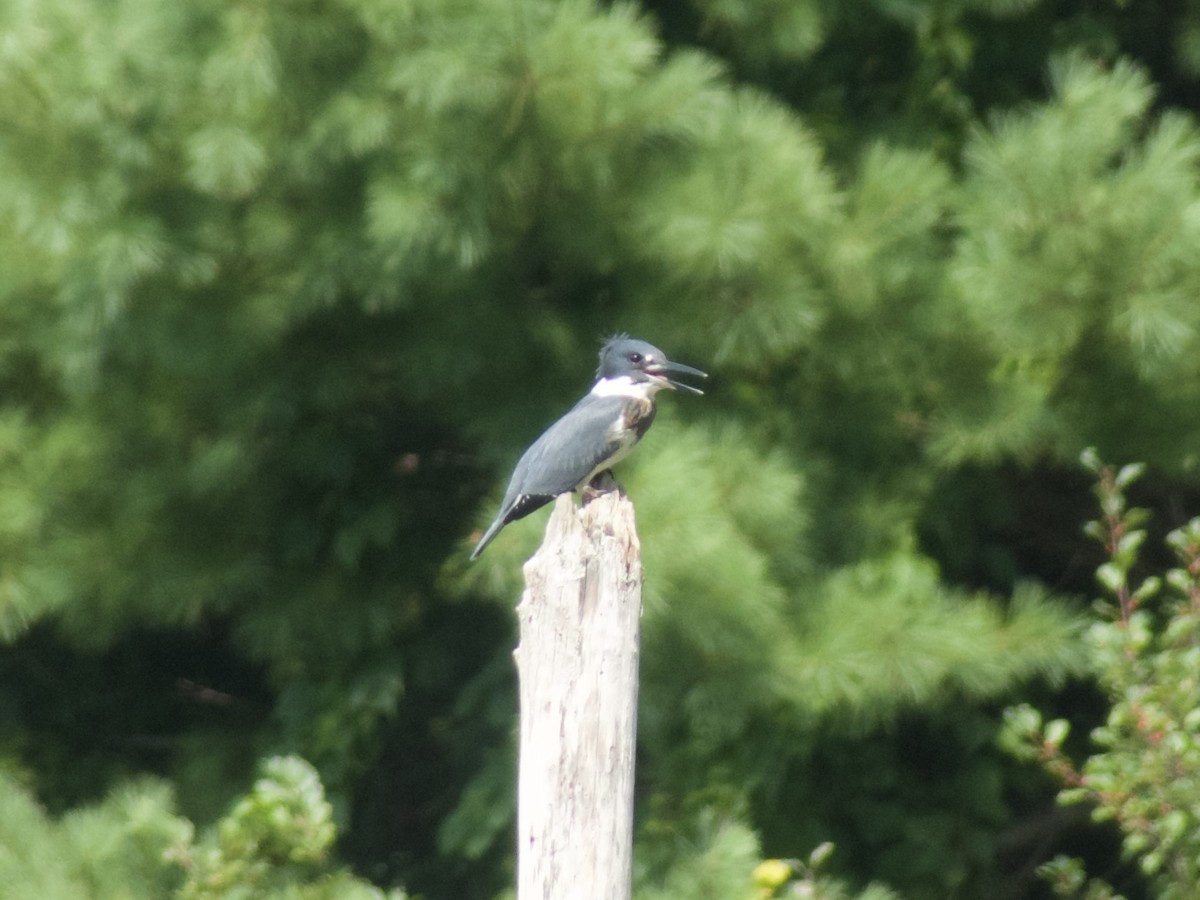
(457, 719)
(990, 527)
(932, 806)
(66, 714)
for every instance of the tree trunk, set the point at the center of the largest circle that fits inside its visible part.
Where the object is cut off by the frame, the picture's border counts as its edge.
(578, 668)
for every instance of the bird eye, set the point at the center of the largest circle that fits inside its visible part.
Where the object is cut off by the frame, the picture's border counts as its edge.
(635, 358)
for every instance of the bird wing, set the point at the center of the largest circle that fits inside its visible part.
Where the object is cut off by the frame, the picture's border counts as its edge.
(569, 450)
(566, 453)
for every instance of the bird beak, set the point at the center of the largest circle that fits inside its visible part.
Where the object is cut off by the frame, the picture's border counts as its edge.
(686, 370)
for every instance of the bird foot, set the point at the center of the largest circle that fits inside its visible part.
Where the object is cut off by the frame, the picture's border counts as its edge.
(601, 483)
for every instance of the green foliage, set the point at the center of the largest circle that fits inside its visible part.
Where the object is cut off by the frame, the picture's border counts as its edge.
(756, 31)
(1069, 310)
(1067, 878)
(285, 819)
(915, 644)
(272, 844)
(717, 860)
(719, 857)
(287, 287)
(107, 852)
(1144, 771)
(804, 878)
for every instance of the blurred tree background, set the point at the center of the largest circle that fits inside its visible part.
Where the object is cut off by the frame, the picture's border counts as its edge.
(287, 287)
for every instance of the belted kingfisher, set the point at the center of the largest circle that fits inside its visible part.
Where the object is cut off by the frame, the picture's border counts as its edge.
(596, 434)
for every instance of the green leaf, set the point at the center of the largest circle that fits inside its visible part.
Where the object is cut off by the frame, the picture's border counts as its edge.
(1128, 474)
(1112, 576)
(1056, 732)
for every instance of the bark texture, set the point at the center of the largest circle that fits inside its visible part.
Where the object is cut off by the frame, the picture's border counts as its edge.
(578, 667)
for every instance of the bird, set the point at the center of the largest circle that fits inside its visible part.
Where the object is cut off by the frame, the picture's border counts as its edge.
(596, 433)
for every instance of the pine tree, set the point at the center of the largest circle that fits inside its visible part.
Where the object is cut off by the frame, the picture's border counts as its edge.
(273, 844)
(288, 287)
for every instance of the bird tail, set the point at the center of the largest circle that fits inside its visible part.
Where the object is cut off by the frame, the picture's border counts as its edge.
(492, 531)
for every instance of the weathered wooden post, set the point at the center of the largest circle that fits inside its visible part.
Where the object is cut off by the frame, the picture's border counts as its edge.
(578, 669)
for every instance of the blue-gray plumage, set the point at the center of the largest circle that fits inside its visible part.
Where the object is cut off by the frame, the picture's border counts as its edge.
(596, 434)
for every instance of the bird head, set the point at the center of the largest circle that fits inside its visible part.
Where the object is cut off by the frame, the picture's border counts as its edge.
(623, 356)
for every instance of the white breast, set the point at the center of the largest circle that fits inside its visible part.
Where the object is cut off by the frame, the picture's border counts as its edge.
(624, 386)
(625, 438)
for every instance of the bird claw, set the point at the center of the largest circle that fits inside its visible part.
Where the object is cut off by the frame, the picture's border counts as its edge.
(601, 483)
